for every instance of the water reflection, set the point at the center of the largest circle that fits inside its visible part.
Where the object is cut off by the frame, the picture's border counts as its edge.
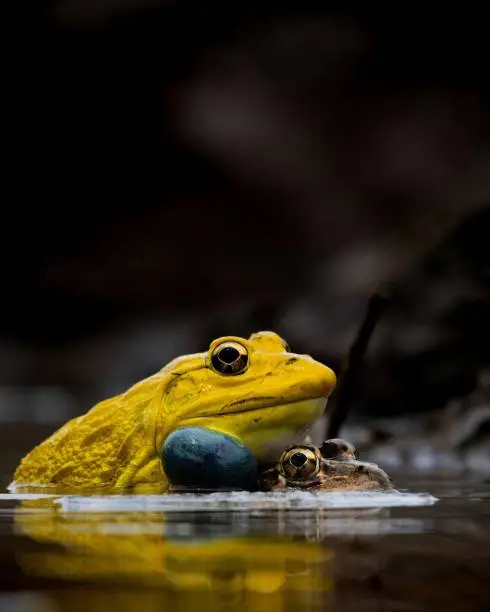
(184, 559)
(79, 553)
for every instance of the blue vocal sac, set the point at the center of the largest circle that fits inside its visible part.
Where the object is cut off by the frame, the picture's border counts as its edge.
(200, 458)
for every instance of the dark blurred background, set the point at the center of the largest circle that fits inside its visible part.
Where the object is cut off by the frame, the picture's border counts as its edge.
(180, 170)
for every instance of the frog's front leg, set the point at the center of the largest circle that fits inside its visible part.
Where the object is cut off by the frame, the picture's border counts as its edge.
(150, 477)
(138, 469)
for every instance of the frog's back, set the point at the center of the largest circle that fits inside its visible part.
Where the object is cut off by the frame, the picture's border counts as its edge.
(93, 450)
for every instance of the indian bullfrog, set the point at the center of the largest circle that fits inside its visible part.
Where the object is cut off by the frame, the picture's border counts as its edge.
(254, 391)
(334, 466)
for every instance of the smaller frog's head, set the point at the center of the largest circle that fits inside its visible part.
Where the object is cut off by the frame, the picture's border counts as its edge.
(332, 467)
(255, 390)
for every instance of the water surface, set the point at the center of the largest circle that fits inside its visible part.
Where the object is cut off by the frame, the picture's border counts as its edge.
(425, 549)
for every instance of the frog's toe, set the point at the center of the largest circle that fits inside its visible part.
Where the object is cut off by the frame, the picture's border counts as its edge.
(200, 458)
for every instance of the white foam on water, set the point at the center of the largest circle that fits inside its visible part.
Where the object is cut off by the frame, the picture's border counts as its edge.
(243, 502)
(21, 496)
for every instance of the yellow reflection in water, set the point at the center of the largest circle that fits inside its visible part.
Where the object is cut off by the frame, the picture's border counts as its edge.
(136, 549)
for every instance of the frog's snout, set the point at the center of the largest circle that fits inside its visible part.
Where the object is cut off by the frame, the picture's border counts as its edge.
(317, 379)
(329, 380)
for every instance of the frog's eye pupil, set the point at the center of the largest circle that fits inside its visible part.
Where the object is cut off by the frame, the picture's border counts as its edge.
(229, 354)
(298, 459)
(231, 358)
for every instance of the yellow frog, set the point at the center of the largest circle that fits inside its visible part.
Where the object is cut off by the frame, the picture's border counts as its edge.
(254, 390)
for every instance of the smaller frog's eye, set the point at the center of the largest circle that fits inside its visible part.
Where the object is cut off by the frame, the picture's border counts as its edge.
(230, 358)
(299, 463)
(336, 448)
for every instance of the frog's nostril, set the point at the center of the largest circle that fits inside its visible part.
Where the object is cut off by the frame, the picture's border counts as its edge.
(291, 360)
(298, 459)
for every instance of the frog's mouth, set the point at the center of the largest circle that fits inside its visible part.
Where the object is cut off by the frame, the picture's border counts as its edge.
(249, 404)
(263, 403)
(303, 484)
(296, 409)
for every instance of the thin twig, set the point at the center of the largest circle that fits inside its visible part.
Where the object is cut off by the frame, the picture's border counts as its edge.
(349, 379)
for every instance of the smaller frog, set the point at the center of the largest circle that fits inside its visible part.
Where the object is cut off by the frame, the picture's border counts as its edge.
(335, 466)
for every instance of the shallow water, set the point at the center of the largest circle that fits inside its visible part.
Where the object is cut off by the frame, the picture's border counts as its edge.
(427, 548)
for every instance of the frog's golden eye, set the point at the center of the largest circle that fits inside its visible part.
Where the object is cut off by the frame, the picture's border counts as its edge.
(230, 358)
(299, 463)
